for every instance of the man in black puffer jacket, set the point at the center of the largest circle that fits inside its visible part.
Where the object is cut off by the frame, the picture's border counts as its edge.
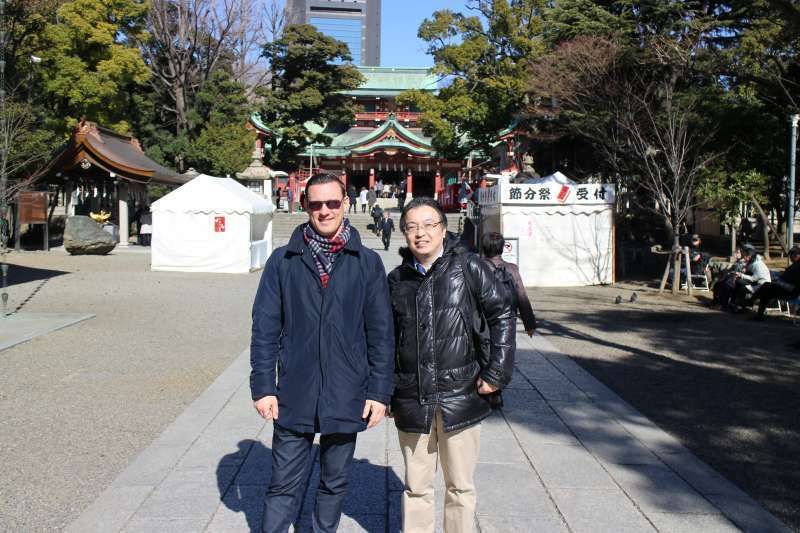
(437, 405)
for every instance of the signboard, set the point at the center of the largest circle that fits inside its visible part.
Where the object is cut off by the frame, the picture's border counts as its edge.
(32, 207)
(219, 224)
(554, 194)
(511, 251)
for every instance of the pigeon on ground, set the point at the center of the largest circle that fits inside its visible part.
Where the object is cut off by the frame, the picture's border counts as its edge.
(618, 300)
(634, 297)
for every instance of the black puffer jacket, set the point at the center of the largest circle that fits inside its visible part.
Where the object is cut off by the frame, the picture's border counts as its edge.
(436, 364)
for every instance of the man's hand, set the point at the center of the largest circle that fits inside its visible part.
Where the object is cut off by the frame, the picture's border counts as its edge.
(267, 407)
(374, 412)
(485, 388)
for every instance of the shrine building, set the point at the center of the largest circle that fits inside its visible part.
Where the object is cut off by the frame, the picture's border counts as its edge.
(385, 142)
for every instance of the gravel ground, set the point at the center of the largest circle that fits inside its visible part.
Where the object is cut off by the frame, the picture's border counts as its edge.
(76, 405)
(727, 386)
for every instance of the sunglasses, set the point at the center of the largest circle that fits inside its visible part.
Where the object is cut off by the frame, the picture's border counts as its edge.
(333, 205)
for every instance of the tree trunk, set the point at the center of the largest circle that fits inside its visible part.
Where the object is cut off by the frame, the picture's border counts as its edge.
(765, 233)
(733, 231)
(676, 265)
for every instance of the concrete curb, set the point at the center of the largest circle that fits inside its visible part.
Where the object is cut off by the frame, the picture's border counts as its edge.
(22, 327)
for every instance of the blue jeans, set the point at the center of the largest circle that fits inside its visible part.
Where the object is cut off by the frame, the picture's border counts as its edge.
(291, 463)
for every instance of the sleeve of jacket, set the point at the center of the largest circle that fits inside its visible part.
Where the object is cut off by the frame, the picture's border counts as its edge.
(266, 331)
(523, 303)
(502, 323)
(379, 324)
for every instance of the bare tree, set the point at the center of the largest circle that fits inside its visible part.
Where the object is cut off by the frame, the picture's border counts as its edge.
(187, 42)
(24, 150)
(257, 23)
(635, 113)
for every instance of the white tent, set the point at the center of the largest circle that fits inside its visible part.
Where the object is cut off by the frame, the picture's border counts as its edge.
(211, 225)
(559, 233)
(557, 178)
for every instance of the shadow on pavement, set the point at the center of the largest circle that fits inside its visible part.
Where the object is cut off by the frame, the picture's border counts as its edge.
(18, 274)
(367, 497)
(726, 386)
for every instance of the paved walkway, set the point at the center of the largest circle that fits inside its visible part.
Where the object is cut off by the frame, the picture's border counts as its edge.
(565, 454)
(21, 327)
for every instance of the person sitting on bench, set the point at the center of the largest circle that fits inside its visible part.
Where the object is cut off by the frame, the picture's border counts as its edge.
(755, 275)
(726, 280)
(785, 287)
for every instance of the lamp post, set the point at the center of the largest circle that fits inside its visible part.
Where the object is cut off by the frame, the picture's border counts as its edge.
(32, 60)
(793, 120)
(4, 230)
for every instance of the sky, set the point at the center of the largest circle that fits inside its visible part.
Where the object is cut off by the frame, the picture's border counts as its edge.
(400, 19)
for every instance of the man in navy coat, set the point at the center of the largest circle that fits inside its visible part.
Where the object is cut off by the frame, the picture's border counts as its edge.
(322, 354)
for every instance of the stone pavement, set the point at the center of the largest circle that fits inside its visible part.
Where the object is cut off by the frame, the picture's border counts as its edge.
(17, 328)
(566, 454)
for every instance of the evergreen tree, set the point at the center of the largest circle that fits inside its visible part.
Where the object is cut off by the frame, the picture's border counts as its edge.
(309, 72)
(92, 64)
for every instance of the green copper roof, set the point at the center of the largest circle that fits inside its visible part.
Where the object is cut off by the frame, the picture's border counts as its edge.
(392, 123)
(391, 81)
(255, 120)
(356, 140)
(390, 144)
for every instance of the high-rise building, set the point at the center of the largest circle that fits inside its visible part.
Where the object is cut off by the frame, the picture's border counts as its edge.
(355, 22)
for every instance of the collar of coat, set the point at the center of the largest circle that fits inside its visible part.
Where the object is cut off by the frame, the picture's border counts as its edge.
(452, 245)
(297, 243)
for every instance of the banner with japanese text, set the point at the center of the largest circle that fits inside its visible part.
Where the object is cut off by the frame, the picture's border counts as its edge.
(557, 194)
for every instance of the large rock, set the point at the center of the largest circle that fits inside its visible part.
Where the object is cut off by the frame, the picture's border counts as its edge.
(82, 235)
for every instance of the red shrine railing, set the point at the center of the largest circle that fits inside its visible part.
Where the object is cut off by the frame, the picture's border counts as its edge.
(401, 116)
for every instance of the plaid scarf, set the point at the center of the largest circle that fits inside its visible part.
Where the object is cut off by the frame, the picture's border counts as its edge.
(325, 250)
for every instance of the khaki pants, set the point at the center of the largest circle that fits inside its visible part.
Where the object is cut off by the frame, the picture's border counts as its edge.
(459, 455)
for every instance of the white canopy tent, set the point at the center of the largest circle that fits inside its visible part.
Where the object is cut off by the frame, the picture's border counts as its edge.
(560, 233)
(211, 225)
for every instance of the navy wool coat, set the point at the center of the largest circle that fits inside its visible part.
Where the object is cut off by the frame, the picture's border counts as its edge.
(322, 352)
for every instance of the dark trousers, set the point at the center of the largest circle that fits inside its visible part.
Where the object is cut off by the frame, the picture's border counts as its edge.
(769, 292)
(353, 206)
(386, 237)
(291, 463)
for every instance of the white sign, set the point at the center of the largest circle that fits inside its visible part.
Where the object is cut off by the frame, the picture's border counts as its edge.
(555, 194)
(511, 251)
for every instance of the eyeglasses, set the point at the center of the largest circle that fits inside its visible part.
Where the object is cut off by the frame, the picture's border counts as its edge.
(427, 227)
(333, 205)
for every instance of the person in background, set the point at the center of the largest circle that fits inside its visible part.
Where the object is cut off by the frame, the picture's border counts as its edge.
(362, 199)
(379, 188)
(371, 199)
(290, 200)
(377, 218)
(726, 282)
(785, 287)
(754, 276)
(387, 227)
(145, 226)
(492, 246)
(352, 195)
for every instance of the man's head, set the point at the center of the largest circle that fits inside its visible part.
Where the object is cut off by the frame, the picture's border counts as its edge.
(386, 214)
(748, 251)
(326, 203)
(794, 254)
(696, 240)
(492, 244)
(424, 225)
